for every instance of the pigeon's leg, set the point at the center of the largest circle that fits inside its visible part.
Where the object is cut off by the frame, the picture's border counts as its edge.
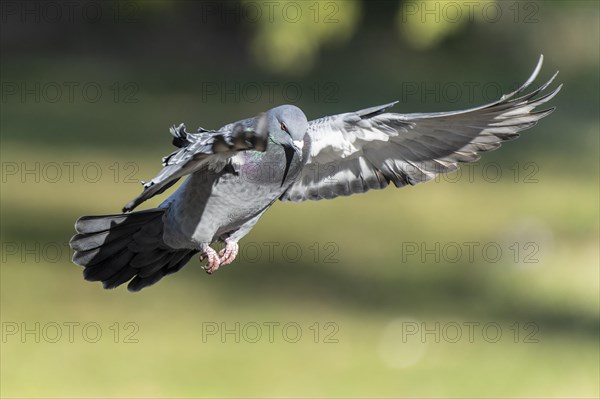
(229, 253)
(213, 260)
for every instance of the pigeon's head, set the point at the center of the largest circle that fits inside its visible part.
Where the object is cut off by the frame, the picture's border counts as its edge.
(287, 125)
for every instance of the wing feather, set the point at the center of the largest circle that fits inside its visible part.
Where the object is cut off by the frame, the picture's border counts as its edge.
(207, 149)
(359, 151)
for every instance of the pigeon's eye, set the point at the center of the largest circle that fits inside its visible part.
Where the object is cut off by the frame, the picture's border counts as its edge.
(284, 127)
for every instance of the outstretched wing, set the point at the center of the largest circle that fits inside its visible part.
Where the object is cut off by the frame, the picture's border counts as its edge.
(359, 151)
(207, 148)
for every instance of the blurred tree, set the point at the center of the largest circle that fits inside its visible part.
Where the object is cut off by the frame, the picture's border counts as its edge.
(424, 25)
(288, 39)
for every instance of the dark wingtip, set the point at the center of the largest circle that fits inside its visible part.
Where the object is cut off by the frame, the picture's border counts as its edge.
(179, 136)
(373, 111)
(129, 207)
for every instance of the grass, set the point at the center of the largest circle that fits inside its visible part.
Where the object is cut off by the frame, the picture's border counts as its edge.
(372, 288)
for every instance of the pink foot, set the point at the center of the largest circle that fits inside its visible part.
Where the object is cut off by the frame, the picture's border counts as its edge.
(213, 260)
(229, 253)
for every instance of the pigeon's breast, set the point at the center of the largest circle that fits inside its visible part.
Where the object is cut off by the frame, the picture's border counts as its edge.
(210, 205)
(253, 182)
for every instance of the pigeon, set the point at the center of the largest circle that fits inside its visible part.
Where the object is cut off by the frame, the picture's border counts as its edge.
(236, 173)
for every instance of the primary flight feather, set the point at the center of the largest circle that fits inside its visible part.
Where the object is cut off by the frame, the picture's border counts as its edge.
(234, 174)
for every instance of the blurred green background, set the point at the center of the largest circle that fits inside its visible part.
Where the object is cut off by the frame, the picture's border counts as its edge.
(88, 92)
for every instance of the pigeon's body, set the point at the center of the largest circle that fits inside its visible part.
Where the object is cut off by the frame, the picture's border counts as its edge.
(212, 206)
(234, 174)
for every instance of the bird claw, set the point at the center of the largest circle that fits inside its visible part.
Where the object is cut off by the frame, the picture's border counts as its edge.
(228, 254)
(224, 257)
(213, 260)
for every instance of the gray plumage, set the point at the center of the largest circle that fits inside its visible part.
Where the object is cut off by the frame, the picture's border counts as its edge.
(359, 151)
(237, 172)
(205, 148)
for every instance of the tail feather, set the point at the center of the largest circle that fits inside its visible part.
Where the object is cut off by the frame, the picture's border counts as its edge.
(150, 268)
(140, 282)
(178, 258)
(86, 242)
(145, 258)
(97, 255)
(143, 241)
(119, 278)
(106, 269)
(95, 224)
(176, 266)
(177, 262)
(115, 249)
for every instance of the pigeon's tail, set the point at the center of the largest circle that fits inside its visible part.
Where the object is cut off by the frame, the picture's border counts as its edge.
(117, 248)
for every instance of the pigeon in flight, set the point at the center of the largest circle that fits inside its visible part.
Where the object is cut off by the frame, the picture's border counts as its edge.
(234, 174)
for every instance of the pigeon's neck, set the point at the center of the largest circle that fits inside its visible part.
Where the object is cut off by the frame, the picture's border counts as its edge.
(280, 138)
